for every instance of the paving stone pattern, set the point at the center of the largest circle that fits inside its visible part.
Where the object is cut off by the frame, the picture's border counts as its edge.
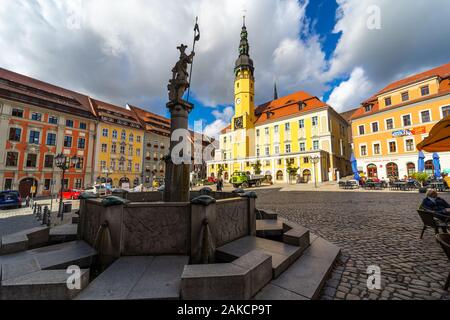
(371, 228)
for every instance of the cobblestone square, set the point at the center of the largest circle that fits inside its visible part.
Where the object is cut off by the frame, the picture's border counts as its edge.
(372, 228)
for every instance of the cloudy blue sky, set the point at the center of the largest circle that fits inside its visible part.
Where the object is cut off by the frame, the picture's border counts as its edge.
(123, 51)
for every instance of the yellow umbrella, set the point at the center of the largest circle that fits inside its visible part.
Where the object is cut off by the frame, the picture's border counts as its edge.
(438, 139)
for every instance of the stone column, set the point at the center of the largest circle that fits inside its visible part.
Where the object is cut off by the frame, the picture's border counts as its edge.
(177, 175)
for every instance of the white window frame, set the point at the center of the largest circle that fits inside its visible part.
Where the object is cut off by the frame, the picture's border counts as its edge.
(429, 112)
(410, 120)
(29, 134)
(378, 126)
(441, 110)
(300, 146)
(103, 132)
(286, 148)
(317, 121)
(389, 149)
(393, 123)
(318, 145)
(302, 121)
(401, 96)
(373, 148)
(404, 143)
(360, 150)
(275, 149)
(359, 131)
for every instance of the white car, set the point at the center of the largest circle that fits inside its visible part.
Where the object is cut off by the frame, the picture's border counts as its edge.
(97, 190)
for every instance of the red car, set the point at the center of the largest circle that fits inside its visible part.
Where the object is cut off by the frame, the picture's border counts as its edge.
(212, 180)
(71, 194)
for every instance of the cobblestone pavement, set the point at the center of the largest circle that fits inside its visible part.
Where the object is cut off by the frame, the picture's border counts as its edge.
(12, 221)
(16, 220)
(371, 228)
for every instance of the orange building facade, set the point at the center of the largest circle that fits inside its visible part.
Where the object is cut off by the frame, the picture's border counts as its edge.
(387, 127)
(39, 121)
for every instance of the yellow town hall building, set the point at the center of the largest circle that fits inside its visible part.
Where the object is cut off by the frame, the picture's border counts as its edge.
(298, 129)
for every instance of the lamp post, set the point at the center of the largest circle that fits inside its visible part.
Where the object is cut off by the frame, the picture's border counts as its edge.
(64, 163)
(315, 160)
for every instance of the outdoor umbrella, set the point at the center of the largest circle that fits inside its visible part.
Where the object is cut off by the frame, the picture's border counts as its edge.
(355, 167)
(439, 137)
(437, 165)
(421, 162)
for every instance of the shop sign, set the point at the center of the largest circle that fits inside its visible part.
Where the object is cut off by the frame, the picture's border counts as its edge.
(409, 132)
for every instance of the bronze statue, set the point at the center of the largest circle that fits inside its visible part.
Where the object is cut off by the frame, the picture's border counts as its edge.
(179, 82)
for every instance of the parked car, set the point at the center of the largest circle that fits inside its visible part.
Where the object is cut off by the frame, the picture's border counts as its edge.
(10, 200)
(72, 194)
(98, 189)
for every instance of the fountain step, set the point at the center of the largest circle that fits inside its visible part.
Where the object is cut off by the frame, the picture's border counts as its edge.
(24, 240)
(266, 214)
(269, 228)
(283, 255)
(58, 256)
(42, 285)
(238, 280)
(138, 278)
(306, 277)
(63, 233)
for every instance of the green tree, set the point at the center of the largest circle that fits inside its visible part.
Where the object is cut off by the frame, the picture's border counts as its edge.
(421, 177)
(220, 170)
(291, 170)
(257, 167)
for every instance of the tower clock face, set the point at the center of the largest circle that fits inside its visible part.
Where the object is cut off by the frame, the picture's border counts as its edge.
(238, 123)
(238, 101)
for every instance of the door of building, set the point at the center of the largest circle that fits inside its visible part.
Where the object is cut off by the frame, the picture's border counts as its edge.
(25, 187)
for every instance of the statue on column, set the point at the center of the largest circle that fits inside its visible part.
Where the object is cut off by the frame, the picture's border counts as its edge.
(179, 82)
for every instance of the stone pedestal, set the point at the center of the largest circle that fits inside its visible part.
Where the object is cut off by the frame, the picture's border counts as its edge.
(177, 166)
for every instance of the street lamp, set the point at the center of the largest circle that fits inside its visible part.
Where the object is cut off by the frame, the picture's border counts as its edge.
(315, 159)
(64, 163)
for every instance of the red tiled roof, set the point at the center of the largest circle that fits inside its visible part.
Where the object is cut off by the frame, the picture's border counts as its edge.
(286, 106)
(347, 115)
(443, 72)
(21, 88)
(151, 121)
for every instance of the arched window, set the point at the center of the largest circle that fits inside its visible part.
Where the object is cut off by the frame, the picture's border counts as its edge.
(392, 170)
(306, 175)
(372, 171)
(429, 167)
(411, 168)
(131, 139)
(279, 175)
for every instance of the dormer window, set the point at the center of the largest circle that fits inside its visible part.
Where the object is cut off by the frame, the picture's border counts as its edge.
(388, 101)
(405, 96)
(269, 114)
(368, 108)
(301, 106)
(425, 90)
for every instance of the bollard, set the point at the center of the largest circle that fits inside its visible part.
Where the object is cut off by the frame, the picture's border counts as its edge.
(35, 209)
(45, 216)
(39, 212)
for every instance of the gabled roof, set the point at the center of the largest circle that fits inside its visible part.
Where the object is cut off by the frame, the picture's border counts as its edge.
(20, 88)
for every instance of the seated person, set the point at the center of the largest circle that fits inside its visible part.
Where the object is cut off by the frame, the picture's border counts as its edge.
(436, 204)
(446, 178)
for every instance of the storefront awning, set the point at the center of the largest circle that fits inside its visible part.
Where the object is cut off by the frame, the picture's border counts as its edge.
(438, 139)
